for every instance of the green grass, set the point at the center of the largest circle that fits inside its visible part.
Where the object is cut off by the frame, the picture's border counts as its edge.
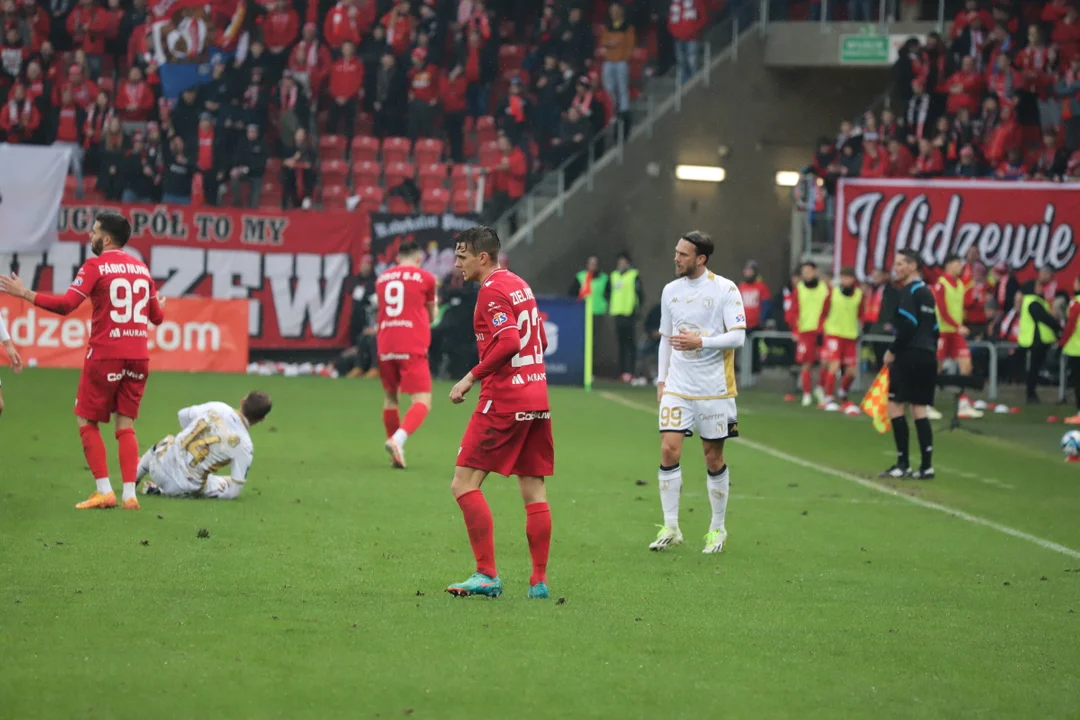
(319, 593)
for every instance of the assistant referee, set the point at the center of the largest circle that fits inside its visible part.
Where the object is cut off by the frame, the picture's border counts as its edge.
(912, 363)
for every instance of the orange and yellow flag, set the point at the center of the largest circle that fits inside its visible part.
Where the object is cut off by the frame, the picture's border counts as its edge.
(876, 400)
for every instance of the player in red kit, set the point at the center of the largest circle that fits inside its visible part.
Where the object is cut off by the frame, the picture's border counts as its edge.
(407, 307)
(509, 433)
(117, 361)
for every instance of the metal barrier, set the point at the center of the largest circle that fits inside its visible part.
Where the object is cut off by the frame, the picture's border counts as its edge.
(746, 357)
(887, 12)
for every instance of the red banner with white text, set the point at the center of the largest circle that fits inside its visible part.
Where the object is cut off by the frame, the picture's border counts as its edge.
(1025, 225)
(292, 268)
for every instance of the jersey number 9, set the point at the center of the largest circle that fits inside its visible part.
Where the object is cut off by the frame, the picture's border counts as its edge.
(531, 353)
(129, 300)
(394, 298)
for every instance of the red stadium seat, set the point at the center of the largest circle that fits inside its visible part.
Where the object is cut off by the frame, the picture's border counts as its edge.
(371, 198)
(639, 57)
(365, 148)
(464, 201)
(464, 177)
(334, 197)
(485, 129)
(366, 172)
(435, 200)
(427, 151)
(397, 172)
(398, 204)
(395, 149)
(90, 183)
(273, 167)
(432, 175)
(331, 147)
(511, 57)
(490, 154)
(334, 172)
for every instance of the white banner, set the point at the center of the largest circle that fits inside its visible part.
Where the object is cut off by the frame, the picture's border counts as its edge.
(31, 189)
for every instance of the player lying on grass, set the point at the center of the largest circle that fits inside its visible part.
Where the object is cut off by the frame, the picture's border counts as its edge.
(12, 353)
(214, 435)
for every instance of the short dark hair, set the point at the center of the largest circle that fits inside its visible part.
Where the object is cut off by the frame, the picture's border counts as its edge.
(409, 247)
(808, 264)
(701, 241)
(953, 257)
(480, 239)
(912, 256)
(847, 272)
(116, 226)
(624, 255)
(256, 406)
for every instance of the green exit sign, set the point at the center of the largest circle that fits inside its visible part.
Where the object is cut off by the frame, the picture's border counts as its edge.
(864, 49)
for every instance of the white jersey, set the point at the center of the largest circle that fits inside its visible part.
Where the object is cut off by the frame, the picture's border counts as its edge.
(706, 307)
(214, 436)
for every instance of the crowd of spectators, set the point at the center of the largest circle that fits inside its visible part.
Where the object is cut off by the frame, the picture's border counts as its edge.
(513, 86)
(999, 98)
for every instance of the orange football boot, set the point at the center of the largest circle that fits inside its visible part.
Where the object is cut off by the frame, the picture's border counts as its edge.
(131, 504)
(98, 501)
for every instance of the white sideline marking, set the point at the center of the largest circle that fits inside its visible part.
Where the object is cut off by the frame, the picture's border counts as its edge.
(871, 485)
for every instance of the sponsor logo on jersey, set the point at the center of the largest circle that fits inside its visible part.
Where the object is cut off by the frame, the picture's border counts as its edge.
(78, 281)
(708, 303)
(536, 377)
(498, 319)
(479, 337)
(740, 318)
(523, 416)
(517, 380)
(114, 333)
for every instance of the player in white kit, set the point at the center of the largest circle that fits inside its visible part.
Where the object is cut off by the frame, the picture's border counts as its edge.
(702, 324)
(12, 353)
(214, 435)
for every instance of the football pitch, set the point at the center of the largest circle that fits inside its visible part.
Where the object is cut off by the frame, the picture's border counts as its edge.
(319, 593)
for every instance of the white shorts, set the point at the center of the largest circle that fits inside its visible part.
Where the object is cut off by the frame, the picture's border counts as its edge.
(167, 471)
(712, 419)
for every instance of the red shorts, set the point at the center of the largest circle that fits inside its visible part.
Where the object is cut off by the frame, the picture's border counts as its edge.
(408, 375)
(952, 346)
(108, 386)
(806, 349)
(842, 349)
(509, 444)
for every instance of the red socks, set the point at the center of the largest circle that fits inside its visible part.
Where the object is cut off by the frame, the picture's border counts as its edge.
(94, 451)
(129, 454)
(391, 421)
(481, 529)
(822, 376)
(845, 382)
(806, 386)
(538, 530)
(414, 418)
(830, 384)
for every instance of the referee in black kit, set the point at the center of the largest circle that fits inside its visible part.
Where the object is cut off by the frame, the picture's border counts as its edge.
(912, 363)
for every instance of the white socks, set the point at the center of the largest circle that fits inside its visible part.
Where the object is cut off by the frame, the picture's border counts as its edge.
(670, 490)
(104, 486)
(129, 492)
(719, 485)
(399, 437)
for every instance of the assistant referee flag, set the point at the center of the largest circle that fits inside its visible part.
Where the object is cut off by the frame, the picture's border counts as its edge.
(876, 400)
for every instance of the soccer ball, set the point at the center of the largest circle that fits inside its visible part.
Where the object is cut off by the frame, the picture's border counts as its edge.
(1070, 443)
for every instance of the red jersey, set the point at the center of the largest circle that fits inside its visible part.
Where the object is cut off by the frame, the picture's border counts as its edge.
(753, 294)
(505, 306)
(404, 326)
(122, 293)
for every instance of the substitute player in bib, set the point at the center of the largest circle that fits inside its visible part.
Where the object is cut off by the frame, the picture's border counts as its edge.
(807, 302)
(840, 326)
(214, 435)
(509, 433)
(117, 362)
(407, 307)
(13, 356)
(702, 323)
(949, 292)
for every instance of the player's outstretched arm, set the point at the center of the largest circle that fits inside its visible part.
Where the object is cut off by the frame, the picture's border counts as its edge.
(506, 345)
(60, 304)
